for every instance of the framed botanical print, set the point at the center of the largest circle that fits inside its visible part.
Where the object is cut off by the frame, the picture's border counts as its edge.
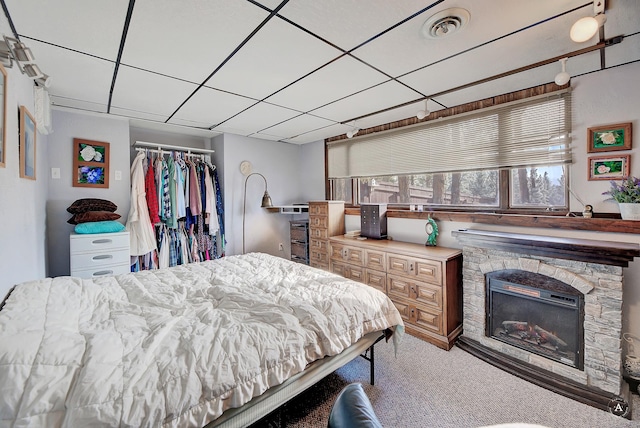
(608, 138)
(608, 167)
(90, 163)
(27, 144)
(3, 115)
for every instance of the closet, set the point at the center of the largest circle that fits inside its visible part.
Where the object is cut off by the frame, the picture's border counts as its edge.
(180, 218)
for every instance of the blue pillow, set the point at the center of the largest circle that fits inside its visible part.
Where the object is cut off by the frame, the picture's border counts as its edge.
(106, 226)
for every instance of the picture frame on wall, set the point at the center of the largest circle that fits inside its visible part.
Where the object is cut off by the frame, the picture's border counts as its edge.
(608, 167)
(27, 144)
(90, 163)
(3, 116)
(609, 138)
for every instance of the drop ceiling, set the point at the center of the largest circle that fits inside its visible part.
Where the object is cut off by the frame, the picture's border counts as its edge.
(299, 71)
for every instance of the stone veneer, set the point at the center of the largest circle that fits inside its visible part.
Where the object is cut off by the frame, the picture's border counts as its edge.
(602, 289)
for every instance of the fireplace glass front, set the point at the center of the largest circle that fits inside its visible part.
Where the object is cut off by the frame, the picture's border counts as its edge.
(536, 313)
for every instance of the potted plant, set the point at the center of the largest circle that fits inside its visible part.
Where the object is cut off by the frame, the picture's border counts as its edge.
(627, 195)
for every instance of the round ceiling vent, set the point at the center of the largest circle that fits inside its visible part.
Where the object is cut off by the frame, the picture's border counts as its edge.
(445, 23)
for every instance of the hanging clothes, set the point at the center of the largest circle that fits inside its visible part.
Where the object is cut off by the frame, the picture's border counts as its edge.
(151, 192)
(142, 237)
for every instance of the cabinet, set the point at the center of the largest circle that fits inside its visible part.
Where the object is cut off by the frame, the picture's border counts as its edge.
(326, 219)
(424, 283)
(299, 234)
(99, 254)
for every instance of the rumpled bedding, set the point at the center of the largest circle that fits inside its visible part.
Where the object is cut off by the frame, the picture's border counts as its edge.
(172, 347)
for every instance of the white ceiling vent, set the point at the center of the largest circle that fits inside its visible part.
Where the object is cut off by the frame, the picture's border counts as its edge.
(445, 23)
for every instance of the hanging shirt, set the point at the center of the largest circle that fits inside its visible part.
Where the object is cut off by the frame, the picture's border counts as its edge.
(151, 193)
(141, 233)
(195, 204)
(172, 219)
(212, 213)
(180, 203)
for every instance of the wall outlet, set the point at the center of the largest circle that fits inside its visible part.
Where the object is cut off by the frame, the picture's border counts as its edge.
(281, 246)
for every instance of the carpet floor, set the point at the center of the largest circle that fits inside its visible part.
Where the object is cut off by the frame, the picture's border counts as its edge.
(425, 386)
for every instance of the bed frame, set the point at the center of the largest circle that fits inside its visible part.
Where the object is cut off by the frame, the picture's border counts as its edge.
(275, 397)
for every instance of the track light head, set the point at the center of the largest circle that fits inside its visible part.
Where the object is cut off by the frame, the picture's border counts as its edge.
(585, 28)
(353, 132)
(563, 77)
(423, 113)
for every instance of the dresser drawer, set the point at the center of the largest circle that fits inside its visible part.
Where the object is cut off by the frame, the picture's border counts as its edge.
(298, 234)
(318, 208)
(420, 292)
(319, 221)
(98, 259)
(97, 272)
(420, 269)
(299, 249)
(319, 245)
(375, 260)
(424, 318)
(98, 242)
(319, 256)
(318, 233)
(376, 279)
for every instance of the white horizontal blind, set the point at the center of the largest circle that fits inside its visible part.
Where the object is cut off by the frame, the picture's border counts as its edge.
(529, 132)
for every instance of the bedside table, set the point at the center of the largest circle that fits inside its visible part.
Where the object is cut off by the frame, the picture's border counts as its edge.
(99, 254)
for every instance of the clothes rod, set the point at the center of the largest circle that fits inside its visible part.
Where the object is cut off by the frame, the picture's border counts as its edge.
(170, 147)
(166, 152)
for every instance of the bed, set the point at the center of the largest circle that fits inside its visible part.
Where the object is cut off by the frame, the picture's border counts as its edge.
(215, 343)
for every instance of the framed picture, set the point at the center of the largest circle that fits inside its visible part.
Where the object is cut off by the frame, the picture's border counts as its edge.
(3, 115)
(27, 144)
(609, 167)
(90, 163)
(609, 138)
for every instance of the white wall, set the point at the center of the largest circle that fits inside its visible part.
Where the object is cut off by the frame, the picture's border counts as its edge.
(606, 97)
(22, 201)
(61, 193)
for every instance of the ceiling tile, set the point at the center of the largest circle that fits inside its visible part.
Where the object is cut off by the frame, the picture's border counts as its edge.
(297, 125)
(89, 80)
(348, 23)
(627, 51)
(212, 106)
(341, 78)
(374, 99)
(89, 26)
(148, 92)
(319, 134)
(78, 104)
(187, 39)
(277, 55)
(258, 117)
(405, 49)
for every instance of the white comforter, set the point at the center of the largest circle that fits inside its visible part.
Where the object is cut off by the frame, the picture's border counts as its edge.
(173, 347)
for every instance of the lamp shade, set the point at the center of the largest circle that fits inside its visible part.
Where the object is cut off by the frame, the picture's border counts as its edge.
(266, 200)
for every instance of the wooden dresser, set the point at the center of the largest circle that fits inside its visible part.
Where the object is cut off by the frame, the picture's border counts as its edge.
(326, 219)
(425, 283)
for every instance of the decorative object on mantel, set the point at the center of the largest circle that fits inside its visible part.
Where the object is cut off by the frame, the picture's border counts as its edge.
(588, 211)
(627, 195)
(432, 232)
(631, 361)
(608, 167)
(609, 138)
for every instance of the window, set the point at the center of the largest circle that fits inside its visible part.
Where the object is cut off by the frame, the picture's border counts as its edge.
(512, 155)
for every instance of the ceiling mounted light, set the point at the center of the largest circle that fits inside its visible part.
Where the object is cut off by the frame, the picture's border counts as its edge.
(563, 77)
(44, 80)
(14, 50)
(33, 71)
(445, 23)
(585, 28)
(424, 113)
(353, 131)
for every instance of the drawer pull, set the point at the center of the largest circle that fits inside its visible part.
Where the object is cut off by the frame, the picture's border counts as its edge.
(103, 272)
(411, 267)
(102, 257)
(101, 241)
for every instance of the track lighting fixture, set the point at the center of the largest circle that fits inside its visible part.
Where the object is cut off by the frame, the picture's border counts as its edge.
(563, 77)
(585, 28)
(14, 50)
(424, 113)
(353, 131)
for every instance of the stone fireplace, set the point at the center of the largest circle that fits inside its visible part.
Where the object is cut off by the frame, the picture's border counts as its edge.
(550, 307)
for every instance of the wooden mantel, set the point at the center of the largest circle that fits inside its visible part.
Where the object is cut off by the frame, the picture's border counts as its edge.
(585, 250)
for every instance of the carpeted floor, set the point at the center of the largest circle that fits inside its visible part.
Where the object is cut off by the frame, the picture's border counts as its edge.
(428, 387)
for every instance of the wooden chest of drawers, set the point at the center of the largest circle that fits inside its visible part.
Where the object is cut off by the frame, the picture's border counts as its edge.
(326, 219)
(99, 254)
(425, 283)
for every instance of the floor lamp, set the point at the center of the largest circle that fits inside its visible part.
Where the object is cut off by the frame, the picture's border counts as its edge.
(266, 201)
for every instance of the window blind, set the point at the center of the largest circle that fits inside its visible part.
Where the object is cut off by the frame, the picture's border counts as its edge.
(530, 132)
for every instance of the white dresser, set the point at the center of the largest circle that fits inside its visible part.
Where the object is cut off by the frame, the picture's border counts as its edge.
(99, 254)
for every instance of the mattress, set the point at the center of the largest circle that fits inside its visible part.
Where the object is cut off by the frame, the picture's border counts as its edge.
(173, 347)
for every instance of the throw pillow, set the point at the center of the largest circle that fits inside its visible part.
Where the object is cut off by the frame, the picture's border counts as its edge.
(91, 204)
(90, 216)
(107, 226)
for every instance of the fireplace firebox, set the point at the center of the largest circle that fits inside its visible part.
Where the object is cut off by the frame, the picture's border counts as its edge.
(536, 313)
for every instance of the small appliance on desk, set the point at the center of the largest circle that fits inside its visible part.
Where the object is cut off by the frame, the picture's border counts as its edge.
(373, 221)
